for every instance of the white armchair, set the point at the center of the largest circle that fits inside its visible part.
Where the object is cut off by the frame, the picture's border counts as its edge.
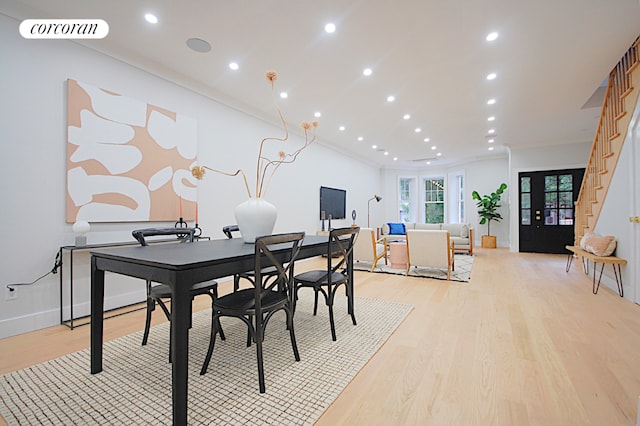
(367, 249)
(432, 249)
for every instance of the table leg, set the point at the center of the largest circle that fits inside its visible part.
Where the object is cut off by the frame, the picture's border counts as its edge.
(97, 308)
(180, 320)
(61, 299)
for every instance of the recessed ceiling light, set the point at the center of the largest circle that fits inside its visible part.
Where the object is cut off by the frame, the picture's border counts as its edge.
(490, 148)
(492, 131)
(417, 130)
(341, 128)
(151, 18)
(386, 153)
(360, 138)
(330, 28)
(492, 76)
(426, 139)
(428, 162)
(317, 114)
(492, 118)
(406, 116)
(374, 146)
(439, 154)
(391, 98)
(395, 158)
(284, 95)
(234, 66)
(491, 101)
(492, 36)
(367, 72)
(198, 45)
(433, 148)
(491, 140)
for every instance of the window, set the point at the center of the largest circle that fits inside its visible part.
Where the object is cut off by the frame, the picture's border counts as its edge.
(460, 199)
(406, 191)
(454, 200)
(434, 200)
(558, 200)
(525, 201)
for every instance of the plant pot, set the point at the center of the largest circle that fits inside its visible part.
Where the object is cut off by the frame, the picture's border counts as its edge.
(488, 241)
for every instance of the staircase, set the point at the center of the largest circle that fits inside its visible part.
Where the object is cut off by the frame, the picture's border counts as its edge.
(619, 103)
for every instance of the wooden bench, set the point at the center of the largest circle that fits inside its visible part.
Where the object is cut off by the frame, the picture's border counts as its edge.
(613, 260)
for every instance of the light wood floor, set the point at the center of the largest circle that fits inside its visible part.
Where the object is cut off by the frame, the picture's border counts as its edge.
(523, 343)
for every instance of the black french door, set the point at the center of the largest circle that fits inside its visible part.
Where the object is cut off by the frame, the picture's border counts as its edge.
(546, 209)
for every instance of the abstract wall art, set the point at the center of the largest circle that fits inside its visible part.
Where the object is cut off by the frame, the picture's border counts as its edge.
(127, 161)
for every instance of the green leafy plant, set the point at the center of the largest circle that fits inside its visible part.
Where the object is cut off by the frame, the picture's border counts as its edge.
(488, 206)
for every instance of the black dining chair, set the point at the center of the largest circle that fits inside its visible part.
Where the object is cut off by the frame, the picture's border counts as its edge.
(338, 273)
(269, 270)
(158, 293)
(269, 294)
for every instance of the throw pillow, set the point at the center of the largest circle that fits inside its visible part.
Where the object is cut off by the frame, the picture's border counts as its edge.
(397, 229)
(464, 230)
(600, 245)
(584, 239)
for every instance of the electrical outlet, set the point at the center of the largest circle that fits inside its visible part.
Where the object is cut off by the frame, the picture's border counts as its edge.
(9, 294)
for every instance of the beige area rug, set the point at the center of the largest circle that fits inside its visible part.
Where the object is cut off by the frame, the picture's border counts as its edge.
(462, 272)
(135, 384)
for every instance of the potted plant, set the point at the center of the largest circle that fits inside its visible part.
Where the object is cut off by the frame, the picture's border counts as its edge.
(487, 210)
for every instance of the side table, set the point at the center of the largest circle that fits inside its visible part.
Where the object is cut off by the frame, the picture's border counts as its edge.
(398, 255)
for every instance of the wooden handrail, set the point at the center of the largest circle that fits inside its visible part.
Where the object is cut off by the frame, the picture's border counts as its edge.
(607, 142)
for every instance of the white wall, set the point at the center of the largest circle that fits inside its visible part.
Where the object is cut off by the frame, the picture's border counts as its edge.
(33, 158)
(620, 204)
(484, 176)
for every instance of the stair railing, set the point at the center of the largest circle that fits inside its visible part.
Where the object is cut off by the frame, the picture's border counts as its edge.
(607, 142)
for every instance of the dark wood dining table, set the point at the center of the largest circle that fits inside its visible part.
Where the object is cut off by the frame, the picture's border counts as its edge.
(179, 266)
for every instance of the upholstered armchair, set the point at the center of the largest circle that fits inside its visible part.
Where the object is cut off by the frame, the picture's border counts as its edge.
(368, 249)
(432, 249)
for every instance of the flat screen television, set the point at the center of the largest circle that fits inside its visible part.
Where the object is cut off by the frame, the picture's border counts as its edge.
(332, 202)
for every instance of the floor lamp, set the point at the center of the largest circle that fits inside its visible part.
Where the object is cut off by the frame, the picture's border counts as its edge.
(377, 198)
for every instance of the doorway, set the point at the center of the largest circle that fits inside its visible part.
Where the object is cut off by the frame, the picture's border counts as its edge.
(546, 209)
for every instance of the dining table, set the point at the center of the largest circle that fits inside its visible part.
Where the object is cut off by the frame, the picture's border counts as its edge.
(179, 266)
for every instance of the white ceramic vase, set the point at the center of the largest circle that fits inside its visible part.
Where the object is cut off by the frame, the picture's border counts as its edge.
(255, 217)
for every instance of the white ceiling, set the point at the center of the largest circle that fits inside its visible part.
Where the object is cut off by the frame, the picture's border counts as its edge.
(550, 58)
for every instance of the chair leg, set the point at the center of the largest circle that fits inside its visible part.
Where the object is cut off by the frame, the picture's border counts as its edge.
(315, 303)
(333, 326)
(151, 305)
(170, 340)
(350, 305)
(168, 315)
(213, 296)
(296, 354)
(250, 318)
(294, 299)
(212, 342)
(260, 362)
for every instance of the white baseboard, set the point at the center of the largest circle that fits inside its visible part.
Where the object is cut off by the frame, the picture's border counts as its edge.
(49, 318)
(39, 320)
(24, 324)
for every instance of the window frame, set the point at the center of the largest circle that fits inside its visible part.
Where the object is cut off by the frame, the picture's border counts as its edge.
(413, 199)
(424, 201)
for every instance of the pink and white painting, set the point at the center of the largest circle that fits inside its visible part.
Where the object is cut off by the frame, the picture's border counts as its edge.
(127, 161)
